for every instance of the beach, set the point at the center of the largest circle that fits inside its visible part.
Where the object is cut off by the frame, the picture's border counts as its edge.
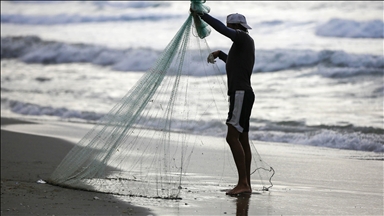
(309, 180)
(28, 158)
(118, 97)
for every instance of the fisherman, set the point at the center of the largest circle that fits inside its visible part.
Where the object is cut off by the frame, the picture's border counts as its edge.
(239, 65)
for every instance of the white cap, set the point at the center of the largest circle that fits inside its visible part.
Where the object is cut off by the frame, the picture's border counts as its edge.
(238, 19)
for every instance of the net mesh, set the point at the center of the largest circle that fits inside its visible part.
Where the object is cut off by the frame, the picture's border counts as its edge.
(148, 144)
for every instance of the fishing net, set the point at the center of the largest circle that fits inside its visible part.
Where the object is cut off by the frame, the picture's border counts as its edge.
(150, 143)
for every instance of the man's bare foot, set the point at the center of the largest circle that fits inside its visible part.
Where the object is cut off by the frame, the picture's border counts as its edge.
(239, 189)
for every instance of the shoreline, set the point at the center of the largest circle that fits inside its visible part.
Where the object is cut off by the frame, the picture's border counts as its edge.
(309, 180)
(26, 159)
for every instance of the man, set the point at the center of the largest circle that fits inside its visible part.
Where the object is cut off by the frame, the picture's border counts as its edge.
(239, 66)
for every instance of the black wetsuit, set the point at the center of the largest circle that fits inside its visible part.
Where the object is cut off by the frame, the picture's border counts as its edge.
(241, 57)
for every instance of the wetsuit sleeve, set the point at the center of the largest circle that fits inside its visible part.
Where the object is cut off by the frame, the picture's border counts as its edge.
(223, 56)
(219, 26)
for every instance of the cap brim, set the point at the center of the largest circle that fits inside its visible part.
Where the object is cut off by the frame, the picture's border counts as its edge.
(246, 26)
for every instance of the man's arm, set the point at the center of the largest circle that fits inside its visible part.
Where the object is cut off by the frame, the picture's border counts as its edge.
(219, 26)
(222, 29)
(219, 54)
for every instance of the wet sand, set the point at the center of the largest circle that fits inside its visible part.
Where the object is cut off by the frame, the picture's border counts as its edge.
(308, 181)
(27, 158)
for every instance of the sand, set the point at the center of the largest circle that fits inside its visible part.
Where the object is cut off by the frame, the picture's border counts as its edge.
(308, 181)
(27, 158)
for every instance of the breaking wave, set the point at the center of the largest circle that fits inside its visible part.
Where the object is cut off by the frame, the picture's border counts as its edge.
(341, 137)
(70, 19)
(351, 29)
(327, 138)
(32, 49)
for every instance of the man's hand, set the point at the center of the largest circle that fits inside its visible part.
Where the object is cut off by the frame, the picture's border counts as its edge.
(195, 12)
(211, 58)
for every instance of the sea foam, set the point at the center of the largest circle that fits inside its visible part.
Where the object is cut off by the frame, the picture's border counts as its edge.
(351, 137)
(326, 138)
(71, 19)
(351, 29)
(331, 63)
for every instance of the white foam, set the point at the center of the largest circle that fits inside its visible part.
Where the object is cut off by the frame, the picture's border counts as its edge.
(342, 62)
(351, 29)
(70, 18)
(327, 138)
(368, 141)
(131, 4)
(36, 110)
(32, 49)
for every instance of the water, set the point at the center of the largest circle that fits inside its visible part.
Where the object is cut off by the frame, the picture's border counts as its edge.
(318, 76)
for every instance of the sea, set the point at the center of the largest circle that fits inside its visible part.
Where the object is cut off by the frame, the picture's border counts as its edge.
(318, 73)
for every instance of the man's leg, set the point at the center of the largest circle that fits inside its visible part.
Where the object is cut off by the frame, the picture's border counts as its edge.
(244, 140)
(238, 153)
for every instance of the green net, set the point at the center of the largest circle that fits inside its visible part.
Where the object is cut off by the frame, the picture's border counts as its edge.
(147, 145)
(202, 28)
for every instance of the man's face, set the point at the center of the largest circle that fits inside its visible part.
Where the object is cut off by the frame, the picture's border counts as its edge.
(231, 25)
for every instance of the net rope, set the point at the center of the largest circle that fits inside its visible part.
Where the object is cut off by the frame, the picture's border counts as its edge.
(147, 145)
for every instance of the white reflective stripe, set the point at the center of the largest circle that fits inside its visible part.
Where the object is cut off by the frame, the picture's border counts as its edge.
(236, 113)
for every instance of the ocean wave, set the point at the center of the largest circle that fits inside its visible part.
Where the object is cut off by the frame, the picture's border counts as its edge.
(75, 18)
(32, 49)
(30, 109)
(283, 59)
(302, 127)
(200, 127)
(117, 4)
(131, 4)
(351, 29)
(341, 137)
(349, 136)
(347, 72)
(327, 138)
